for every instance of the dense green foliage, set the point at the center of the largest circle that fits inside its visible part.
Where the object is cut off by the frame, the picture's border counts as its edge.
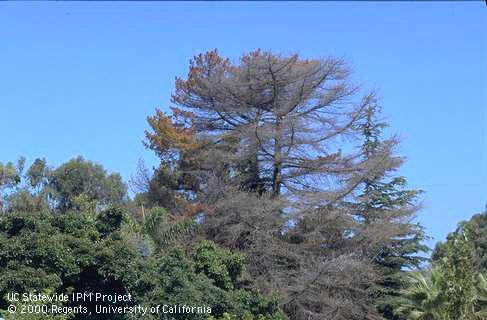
(79, 180)
(477, 227)
(76, 184)
(82, 252)
(453, 290)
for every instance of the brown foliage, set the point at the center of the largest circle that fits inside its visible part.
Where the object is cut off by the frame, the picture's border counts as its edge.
(170, 133)
(270, 148)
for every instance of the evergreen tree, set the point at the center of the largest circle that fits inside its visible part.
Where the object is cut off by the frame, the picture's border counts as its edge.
(477, 227)
(386, 200)
(459, 276)
(453, 290)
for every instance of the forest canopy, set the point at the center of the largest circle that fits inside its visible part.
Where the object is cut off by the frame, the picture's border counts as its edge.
(276, 196)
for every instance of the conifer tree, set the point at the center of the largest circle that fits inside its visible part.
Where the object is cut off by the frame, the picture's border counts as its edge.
(386, 200)
(268, 149)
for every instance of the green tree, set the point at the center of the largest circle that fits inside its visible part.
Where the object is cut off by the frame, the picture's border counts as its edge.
(80, 181)
(10, 176)
(459, 276)
(454, 290)
(77, 184)
(481, 297)
(477, 227)
(108, 253)
(30, 192)
(385, 200)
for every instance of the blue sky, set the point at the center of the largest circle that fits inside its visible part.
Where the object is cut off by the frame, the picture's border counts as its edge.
(81, 78)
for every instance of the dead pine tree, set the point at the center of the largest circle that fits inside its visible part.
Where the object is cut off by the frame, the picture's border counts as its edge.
(271, 148)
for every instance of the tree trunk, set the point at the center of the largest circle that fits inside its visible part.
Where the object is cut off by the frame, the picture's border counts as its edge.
(277, 174)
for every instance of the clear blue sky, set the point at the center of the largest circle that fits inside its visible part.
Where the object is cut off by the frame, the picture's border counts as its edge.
(81, 78)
